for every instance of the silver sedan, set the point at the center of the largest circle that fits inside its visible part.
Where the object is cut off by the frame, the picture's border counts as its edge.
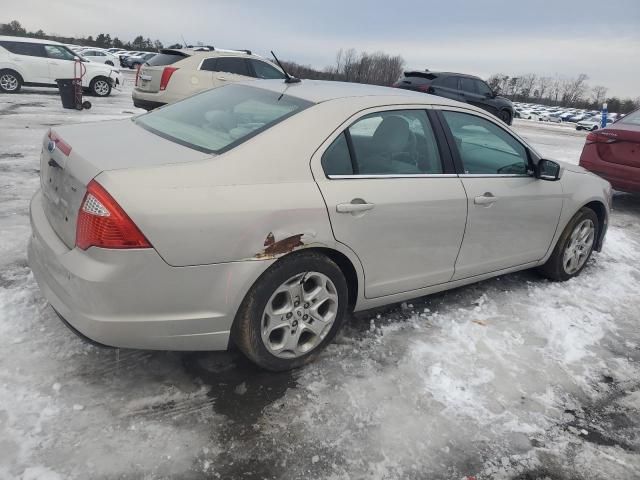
(263, 214)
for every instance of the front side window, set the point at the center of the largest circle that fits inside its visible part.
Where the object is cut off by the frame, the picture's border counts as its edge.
(467, 85)
(485, 148)
(482, 88)
(237, 66)
(59, 53)
(266, 71)
(218, 120)
(450, 82)
(398, 142)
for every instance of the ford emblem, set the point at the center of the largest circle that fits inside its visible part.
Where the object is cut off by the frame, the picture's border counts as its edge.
(51, 146)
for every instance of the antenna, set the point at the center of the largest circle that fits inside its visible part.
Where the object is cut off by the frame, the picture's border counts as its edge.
(289, 78)
(183, 42)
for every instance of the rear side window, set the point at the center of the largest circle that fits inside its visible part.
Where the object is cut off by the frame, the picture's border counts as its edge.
(266, 71)
(467, 85)
(485, 148)
(162, 59)
(233, 65)
(218, 120)
(24, 48)
(482, 88)
(450, 82)
(398, 142)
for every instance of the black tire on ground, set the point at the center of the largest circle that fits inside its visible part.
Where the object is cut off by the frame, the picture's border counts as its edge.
(595, 127)
(109, 62)
(554, 268)
(246, 329)
(505, 116)
(10, 81)
(100, 87)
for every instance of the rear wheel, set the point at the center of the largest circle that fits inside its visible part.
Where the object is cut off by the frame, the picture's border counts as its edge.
(574, 247)
(505, 116)
(10, 81)
(595, 127)
(292, 312)
(109, 62)
(100, 87)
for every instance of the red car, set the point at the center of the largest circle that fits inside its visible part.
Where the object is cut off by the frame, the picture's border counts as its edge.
(614, 153)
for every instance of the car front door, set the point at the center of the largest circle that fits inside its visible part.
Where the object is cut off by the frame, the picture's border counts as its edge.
(393, 199)
(512, 215)
(61, 63)
(448, 87)
(484, 97)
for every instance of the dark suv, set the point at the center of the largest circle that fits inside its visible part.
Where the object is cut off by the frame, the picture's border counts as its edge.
(461, 87)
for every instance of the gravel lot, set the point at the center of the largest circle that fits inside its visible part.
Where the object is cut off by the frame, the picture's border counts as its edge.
(514, 378)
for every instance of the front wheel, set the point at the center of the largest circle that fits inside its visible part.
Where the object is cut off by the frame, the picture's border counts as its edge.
(505, 116)
(595, 127)
(574, 247)
(10, 81)
(292, 311)
(100, 87)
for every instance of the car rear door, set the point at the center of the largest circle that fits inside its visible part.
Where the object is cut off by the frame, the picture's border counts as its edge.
(30, 59)
(393, 199)
(448, 87)
(231, 70)
(512, 215)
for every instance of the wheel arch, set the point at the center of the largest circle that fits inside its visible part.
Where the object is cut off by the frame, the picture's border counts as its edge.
(347, 268)
(14, 70)
(601, 212)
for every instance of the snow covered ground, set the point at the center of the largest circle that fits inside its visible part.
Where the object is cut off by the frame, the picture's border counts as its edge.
(512, 378)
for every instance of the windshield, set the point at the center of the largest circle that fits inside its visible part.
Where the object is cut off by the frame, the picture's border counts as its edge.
(218, 120)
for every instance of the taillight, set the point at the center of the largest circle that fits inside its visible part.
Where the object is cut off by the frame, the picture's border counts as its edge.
(60, 144)
(137, 75)
(166, 76)
(596, 137)
(592, 137)
(102, 223)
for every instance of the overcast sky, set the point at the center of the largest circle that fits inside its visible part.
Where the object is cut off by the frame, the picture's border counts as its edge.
(567, 37)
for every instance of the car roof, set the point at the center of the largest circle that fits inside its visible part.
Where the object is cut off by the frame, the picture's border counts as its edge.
(4, 38)
(318, 91)
(409, 73)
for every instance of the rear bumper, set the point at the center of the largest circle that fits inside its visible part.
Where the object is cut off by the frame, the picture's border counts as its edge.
(132, 298)
(147, 104)
(624, 178)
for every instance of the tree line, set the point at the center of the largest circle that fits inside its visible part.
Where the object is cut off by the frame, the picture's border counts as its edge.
(559, 91)
(380, 68)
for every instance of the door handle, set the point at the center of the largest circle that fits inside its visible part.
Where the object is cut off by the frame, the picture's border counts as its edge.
(224, 79)
(487, 199)
(356, 205)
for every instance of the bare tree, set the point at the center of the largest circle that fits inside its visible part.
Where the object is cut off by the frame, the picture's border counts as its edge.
(544, 83)
(598, 94)
(574, 89)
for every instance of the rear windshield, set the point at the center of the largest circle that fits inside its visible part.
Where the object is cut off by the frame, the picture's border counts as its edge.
(631, 119)
(218, 120)
(165, 59)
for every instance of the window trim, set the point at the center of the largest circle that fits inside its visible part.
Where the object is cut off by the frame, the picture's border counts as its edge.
(457, 160)
(253, 70)
(446, 160)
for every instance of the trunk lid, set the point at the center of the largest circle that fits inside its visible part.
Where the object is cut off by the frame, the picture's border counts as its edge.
(150, 72)
(72, 156)
(620, 145)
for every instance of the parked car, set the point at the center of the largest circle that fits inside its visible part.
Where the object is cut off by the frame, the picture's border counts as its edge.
(262, 214)
(176, 74)
(460, 87)
(614, 153)
(35, 62)
(135, 61)
(99, 56)
(592, 123)
(123, 57)
(550, 117)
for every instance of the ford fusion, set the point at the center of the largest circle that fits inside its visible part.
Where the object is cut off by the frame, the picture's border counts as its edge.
(263, 215)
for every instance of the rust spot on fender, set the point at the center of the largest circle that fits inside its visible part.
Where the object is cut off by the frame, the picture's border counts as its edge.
(272, 248)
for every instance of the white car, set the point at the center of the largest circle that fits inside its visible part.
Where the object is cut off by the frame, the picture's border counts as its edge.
(39, 63)
(99, 56)
(592, 123)
(175, 74)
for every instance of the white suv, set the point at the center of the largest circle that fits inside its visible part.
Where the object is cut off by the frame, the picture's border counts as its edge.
(175, 74)
(39, 63)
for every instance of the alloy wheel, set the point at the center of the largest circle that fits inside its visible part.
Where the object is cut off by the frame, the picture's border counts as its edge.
(299, 315)
(101, 87)
(579, 246)
(8, 82)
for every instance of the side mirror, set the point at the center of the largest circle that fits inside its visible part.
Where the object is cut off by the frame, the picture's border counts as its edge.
(548, 170)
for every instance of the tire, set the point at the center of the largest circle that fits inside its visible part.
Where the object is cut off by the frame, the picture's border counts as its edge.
(505, 116)
(109, 62)
(272, 292)
(594, 128)
(100, 87)
(557, 268)
(10, 81)
(134, 66)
